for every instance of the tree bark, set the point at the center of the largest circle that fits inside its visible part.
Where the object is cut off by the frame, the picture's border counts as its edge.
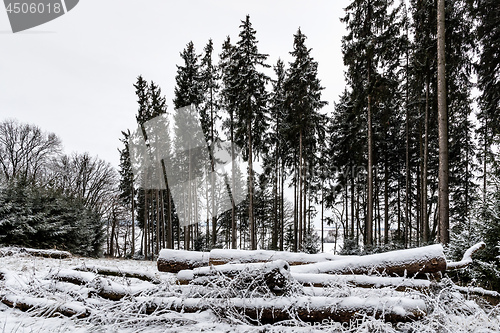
(444, 223)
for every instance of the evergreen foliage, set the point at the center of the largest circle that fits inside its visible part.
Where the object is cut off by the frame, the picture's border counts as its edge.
(43, 218)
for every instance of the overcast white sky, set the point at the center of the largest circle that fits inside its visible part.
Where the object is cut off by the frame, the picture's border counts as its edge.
(74, 76)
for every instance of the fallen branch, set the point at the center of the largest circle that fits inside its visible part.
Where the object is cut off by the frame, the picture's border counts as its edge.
(467, 258)
(309, 309)
(49, 307)
(174, 261)
(111, 271)
(410, 262)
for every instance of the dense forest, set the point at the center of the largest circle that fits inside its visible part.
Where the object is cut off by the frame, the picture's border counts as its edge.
(408, 155)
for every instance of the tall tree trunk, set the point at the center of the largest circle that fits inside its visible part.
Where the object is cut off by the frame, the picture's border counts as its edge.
(485, 154)
(170, 228)
(300, 192)
(425, 215)
(322, 221)
(146, 224)
(295, 210)
(157, 250)
(253, 238)
(369, 215)
(352, 202)
(282, 205)
(133, 221)
(233, 206)
(407, 139)
(386, 202)
(444, 223)
(275, 231)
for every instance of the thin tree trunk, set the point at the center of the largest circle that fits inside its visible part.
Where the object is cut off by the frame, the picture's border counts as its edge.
(425, 216)
(233, 206)
(386, 202)
(282, 204)
(369, 217)
(295, 211)
(253, 238)
(300, 192)
(444, 223)
(146, 224)
(133, 222)
(322, 221)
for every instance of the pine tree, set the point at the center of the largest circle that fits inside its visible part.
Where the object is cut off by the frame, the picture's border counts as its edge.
(229, 74)
(488, 72)
(371, 46)
(126, 186)
(209, 115)
(304, 123)
(152, 104)
(188, 91)
(250, 96)
(273, 160)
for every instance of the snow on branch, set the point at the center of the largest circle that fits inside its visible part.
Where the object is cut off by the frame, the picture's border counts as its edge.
(467, 258)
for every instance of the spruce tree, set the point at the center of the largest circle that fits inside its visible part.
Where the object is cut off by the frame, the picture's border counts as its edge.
(126, 186)
(250, 98)
(209, 115)
(373, 36)
(188, 92)
(304, 123)
(228, 74)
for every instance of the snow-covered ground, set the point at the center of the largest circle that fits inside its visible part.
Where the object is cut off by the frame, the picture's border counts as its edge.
(28, 276)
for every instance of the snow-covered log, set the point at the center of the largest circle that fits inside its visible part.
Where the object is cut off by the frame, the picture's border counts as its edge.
(275, 274)
(111, 271)
(55, 254)
(101, 286)
(225, 256)
(361, 281)
(410, 262)
(48, 307)
(174, 261)
(309, 309)
(467, 258)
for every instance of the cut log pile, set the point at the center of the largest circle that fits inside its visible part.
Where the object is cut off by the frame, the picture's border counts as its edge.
(411, 271)
(260, 288)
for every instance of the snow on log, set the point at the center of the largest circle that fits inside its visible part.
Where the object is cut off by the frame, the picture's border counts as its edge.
(102, 287)
(309, 309)
(409, 262)
(225, 256)
(467, 258)
(48, 307)
(174, 261)
(275, 274)
(361, 281)
(55, 254)
(111, 271)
